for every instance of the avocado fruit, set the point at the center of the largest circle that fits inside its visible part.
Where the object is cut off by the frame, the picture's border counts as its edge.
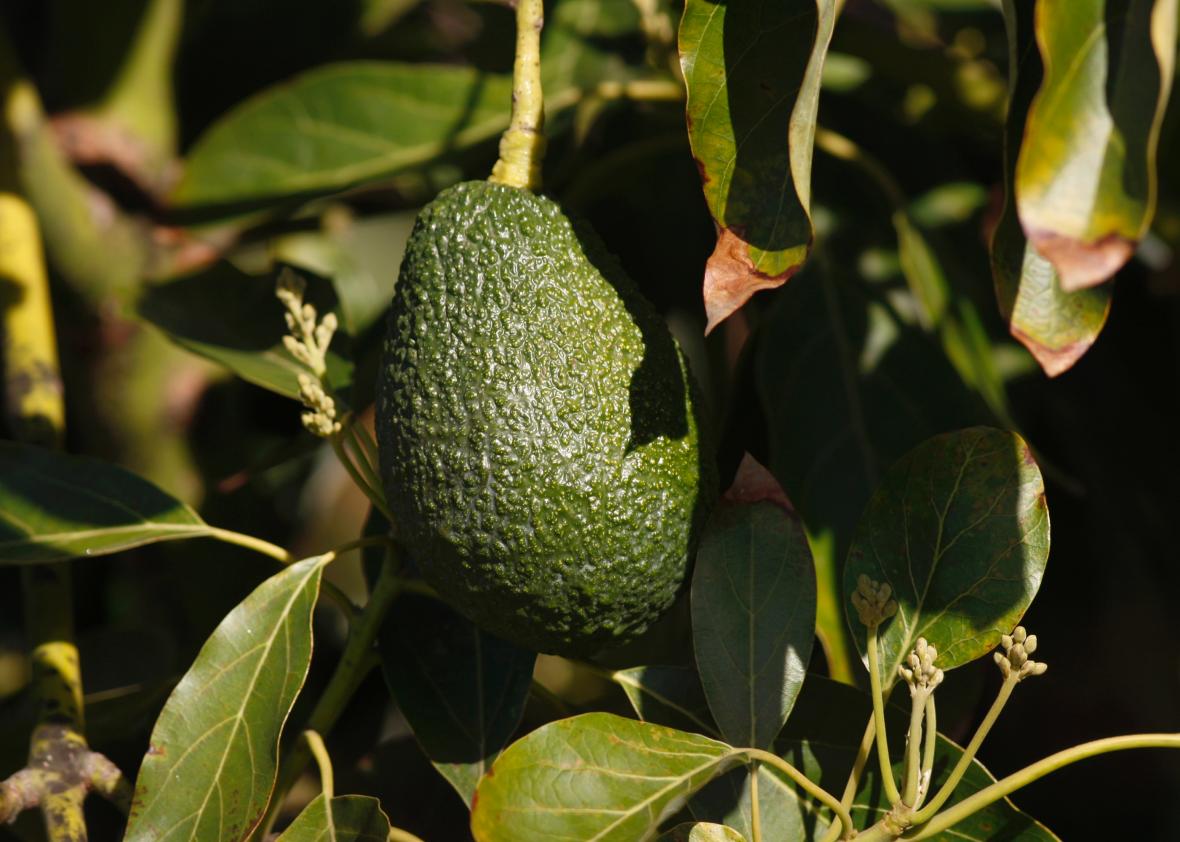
(541, 441)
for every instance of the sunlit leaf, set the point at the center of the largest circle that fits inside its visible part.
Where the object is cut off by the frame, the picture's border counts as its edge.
(1056, 326)
(210, 767)
(55, 506)
(753, 73)
(247, 337)
(753, 619)
(960, 530)
(1086, 174)
(594, 776)
(668, 695)
(462, 691)
(348, 818)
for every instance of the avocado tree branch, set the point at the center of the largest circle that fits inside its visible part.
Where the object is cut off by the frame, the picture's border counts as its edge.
(523, 145)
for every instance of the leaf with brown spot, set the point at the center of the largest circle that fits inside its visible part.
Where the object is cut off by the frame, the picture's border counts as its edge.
(1086, 174)
(1056, 326)
(752, 71)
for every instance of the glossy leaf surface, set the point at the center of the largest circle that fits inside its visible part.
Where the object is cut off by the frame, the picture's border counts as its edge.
(210, 767)
(1086, 175)
(959, 529)
(348, 818)
(462, 691)
(55, 506)
(668, 695)
(753, 75)
(341, 125)
(753, 619)
(594, 776)
(246, 338)
(1056, 326)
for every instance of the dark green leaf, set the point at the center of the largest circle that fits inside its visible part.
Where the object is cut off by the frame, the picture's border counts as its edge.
(54, 506)
(462, 691)
(849, 385)
(701, 832)
(785, 814)
(211, 764)
(349, 818)
(234, 319)
(1085, 177)
(595, 776)
(582, 42)
(753, 75)
(1056, 326)
(960, 530)
(753, 619)
(341, 125)
(667, 695)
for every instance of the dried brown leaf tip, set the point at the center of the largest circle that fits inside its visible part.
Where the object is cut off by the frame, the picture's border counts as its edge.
(753, 483)
(1082, 264)
(731, 278)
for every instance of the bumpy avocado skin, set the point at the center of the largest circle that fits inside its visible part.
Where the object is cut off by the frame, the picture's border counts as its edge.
(540, 445)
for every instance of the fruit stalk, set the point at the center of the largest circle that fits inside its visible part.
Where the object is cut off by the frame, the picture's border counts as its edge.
(522, 147)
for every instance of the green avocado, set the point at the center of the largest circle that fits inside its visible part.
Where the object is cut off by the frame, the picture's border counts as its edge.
(540, 438)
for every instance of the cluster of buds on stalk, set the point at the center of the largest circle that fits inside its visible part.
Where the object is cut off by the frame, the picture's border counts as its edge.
(308, 343)
(873, 601)
(1014, 660)
(921, 675)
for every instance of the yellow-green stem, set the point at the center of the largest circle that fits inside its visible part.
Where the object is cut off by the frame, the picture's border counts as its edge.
(1006, 786)
(931, 743)
(913, 750)
(323, 762)
(755, 806)
(350, 671)
(396, 834)
(956, 775)
(523, 145)
(879, 719)
(806, 784)
(858, 766)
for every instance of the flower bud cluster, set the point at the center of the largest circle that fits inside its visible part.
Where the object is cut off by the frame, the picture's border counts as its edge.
(320, 420)
(308, 341)
(1014, 660)
(921, 675)
(872, 601)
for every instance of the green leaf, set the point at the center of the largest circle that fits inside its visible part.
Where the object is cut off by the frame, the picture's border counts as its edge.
(55, 506)
(1056, 326)
(210, 768)
(348, 818)
(1086, 174)
(463, 692)
(247, 337)
(821, 740)
(701, 832)
(872, 384)
(753, 74)
(595, 776)
(338, 126)
(960, 530)
(753, 619)
(668, 695)
(582, 42)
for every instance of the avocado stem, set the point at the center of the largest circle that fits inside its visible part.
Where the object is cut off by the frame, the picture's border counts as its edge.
(522, 146)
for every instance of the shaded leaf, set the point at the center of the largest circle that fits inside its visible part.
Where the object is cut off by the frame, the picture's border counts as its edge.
(1056, 326)
(210, 768)
(753, 76)
(753, 619)
(668, 695)
(462, 691)
(55, 506)
(701, 832)
(348, 818)
(785, 814)
(582, 41)
(594, 776)
(960, 530)
(848, 386)
(341, 125)
(1085, 176)
(245, 336)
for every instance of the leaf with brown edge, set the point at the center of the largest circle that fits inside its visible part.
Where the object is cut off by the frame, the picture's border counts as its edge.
(753, 483)
(752, 72)
(1086, 175)
(1057, 327)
